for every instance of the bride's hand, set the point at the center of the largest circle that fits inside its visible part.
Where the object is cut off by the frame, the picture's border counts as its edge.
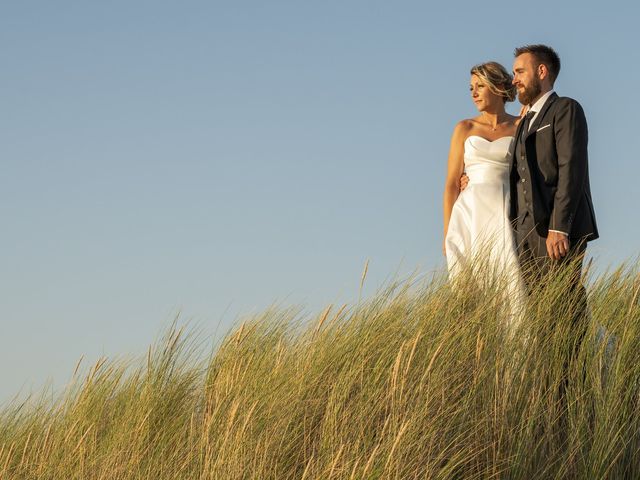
(524, 110)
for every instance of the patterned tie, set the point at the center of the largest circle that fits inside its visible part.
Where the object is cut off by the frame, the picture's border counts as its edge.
(527, 122)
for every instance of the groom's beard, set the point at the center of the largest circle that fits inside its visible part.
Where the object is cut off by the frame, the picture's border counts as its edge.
(530, 92)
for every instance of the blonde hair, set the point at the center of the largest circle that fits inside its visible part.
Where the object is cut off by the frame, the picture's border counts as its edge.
(497, 79)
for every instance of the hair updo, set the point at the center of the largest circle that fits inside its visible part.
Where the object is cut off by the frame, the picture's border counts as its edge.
(497, 79)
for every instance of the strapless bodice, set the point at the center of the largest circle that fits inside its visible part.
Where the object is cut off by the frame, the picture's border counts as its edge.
(485, 160)
(479, 229)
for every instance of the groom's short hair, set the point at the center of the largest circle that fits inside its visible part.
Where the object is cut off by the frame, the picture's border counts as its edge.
(543, 54)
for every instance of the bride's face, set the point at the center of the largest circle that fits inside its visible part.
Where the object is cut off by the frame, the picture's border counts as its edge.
(482, 96)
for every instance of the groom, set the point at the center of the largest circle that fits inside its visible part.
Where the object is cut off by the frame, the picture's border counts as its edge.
(551, 207)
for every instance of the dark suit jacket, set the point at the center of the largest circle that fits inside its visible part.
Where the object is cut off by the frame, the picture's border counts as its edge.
(556, 153)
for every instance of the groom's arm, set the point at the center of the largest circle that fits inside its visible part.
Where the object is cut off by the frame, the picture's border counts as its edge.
(571, 145)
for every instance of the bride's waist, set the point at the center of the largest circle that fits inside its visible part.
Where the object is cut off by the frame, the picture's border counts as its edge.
(483, 174)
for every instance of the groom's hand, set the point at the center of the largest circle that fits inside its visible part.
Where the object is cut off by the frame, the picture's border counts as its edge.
(464, 181)
(557, 245)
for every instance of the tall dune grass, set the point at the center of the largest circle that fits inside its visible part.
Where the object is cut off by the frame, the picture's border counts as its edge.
(421, 381)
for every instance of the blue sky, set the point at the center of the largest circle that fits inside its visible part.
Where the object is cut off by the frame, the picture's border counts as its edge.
(213, 158)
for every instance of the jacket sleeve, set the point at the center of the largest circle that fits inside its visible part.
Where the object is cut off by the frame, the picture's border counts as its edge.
(571, 145)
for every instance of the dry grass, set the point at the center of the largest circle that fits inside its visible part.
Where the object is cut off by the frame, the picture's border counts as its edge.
(421, 381)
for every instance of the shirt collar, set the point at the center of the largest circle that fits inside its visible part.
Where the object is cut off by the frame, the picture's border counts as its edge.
(536, 107)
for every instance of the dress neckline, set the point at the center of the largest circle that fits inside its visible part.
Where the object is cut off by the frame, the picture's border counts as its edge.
(487, 140)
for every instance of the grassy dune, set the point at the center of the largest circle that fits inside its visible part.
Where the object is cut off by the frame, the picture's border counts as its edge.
(421, 381)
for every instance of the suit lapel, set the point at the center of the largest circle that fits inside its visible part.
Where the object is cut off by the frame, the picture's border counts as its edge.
(536, 123)
(520, 127)
(517, 139)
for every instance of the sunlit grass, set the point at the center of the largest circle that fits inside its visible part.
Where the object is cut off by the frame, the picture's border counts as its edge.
(424, 380)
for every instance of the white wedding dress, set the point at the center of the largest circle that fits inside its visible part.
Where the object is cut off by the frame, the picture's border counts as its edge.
(479, 227)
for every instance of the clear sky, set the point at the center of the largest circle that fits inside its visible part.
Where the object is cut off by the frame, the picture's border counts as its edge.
(212, 158)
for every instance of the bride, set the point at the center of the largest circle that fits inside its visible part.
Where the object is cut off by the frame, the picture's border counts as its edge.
(476, 222)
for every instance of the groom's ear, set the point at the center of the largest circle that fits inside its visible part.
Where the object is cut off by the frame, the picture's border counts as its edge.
(543, 71)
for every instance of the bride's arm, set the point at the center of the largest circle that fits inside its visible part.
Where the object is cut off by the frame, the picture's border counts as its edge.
(454, 171)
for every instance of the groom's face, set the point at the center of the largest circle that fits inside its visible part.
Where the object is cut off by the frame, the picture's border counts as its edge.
(525, 78)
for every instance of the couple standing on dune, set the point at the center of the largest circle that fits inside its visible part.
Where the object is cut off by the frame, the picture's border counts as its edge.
(518, 187)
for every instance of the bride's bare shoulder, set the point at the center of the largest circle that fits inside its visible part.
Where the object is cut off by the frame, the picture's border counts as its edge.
(515, 119)
(463, 127)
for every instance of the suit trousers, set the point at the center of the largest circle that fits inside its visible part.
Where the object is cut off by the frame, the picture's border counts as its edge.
(535, 261)
(538, 270)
